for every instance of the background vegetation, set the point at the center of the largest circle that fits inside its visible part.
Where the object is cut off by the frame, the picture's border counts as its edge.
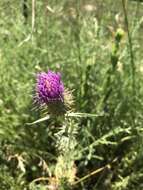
(97, 46)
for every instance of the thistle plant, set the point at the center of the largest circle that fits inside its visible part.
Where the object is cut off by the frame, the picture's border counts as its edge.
(115, 50)
(111, 72)
(57, 101)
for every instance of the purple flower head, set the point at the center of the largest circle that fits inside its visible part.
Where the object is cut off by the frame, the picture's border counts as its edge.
(49, 87)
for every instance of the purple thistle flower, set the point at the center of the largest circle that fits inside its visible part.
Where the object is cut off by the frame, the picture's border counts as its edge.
(49, 88)
(51, 94)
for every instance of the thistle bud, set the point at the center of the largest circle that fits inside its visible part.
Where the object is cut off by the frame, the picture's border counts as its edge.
(119, 34)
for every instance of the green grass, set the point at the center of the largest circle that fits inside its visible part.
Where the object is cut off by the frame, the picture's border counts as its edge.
(79, 44)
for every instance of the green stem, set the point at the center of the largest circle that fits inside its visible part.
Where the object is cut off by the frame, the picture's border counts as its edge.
(130, 45)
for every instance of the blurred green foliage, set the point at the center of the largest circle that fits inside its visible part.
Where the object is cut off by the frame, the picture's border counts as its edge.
(77, 38)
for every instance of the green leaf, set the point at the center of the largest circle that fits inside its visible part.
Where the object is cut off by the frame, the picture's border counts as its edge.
(39, 120)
